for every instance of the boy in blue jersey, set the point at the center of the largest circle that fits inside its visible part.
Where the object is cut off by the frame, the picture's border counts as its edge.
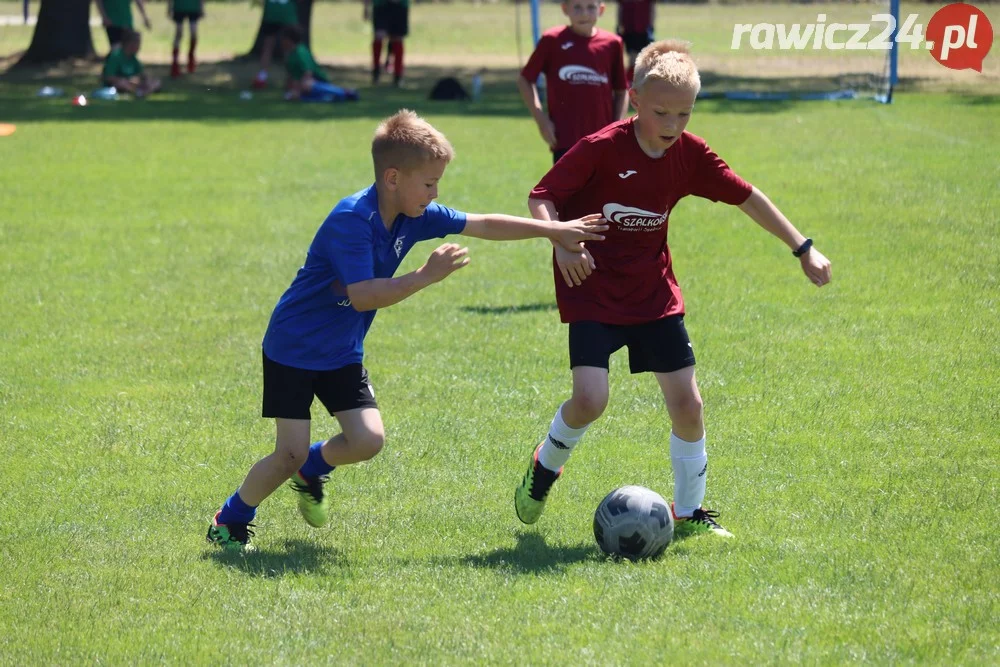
(314, 342)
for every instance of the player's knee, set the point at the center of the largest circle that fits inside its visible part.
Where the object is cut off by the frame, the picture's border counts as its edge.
(590, 405)
(368, 444)
(687, 410)
(291, 458)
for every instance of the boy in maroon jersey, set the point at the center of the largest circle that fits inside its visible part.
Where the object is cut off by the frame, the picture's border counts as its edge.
(584, 74)
(635, 27)
(622, 292)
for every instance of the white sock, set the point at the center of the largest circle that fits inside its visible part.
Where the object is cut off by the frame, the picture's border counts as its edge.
(690, 463)
(559, 443)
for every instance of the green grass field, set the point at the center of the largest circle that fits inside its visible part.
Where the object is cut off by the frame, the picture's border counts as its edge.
(853, 430)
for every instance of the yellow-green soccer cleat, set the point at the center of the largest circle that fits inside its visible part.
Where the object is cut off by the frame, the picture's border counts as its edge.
(702, 521)
(234, 537)
(529, 498)
(314, 505)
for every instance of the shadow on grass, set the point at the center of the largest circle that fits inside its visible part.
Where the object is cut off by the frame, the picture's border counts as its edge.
(297, 557)
(532, 554)
(212, 94)
(981, 100)
(510, 310)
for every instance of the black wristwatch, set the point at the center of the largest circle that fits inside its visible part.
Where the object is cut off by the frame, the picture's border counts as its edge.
(804, 248)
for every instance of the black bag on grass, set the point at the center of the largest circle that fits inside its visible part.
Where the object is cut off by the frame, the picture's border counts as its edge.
(449, 88)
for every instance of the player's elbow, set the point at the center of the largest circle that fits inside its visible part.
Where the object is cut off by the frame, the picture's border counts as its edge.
(752, 202)
(361, 296)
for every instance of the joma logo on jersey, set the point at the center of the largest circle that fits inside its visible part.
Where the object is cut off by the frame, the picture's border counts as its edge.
(631, 219)
(581, 74)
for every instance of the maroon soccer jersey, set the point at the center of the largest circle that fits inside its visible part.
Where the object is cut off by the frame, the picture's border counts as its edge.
(607, 172)
(636, 15)
(581, 74)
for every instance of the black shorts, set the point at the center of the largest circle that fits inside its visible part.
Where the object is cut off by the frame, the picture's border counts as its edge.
(660, 346)
(271, 29)
(558, 154)
(392, 18)
(288, 391)
(637, 41)
(190, 16)
(115, 34)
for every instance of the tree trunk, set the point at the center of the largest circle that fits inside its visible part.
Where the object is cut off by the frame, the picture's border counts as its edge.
(304, 8)
(62, 32)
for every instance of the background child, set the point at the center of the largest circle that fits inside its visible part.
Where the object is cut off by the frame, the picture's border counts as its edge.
(178, 11)
(123, 70)
(635, 171)
(584, 76)
(390, 20)
(116, 15)
(277, 15)
(635, 27)
(314, 341)
(306, 80)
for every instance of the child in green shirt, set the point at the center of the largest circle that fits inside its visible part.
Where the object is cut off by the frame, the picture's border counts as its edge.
(278, 14)
(116, 15)
(306, 80)
(179, 11)
(123, 70)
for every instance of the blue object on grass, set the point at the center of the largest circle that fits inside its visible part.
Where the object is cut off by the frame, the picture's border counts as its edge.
(327, 92)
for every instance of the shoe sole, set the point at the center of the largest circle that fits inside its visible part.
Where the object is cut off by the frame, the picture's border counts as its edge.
(520, 518)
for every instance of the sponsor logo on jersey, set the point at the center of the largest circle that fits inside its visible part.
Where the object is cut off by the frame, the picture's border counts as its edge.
(581, 74)
(632, 219)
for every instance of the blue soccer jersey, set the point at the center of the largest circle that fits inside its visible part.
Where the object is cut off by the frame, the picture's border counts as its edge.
(314, 325)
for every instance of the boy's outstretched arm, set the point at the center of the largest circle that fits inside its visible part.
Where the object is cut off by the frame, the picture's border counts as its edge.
(766, 214)
(574, 265)
(529, 94)
(381, 292)
(569, 235)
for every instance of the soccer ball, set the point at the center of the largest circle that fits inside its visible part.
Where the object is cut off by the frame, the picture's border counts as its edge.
(633, 522)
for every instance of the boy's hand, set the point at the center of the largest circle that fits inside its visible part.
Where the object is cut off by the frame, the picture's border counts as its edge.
(575, 266)
(547, 129)
(444, 261)
(816, 267)
(571, 234)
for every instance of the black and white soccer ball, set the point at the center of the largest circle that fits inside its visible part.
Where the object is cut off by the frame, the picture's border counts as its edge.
(633, 522)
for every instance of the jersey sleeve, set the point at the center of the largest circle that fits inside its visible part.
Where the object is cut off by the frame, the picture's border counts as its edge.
(440, 221)
(714, 180)
(536, 63)
(569, 175)
(349, 244)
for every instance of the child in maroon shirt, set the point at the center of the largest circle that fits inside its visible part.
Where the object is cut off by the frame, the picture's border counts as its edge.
(635, 27)
(585, 76)
(622, 292)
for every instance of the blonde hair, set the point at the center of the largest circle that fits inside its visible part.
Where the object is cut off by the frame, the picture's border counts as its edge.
(667, 60)
(406, 141)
